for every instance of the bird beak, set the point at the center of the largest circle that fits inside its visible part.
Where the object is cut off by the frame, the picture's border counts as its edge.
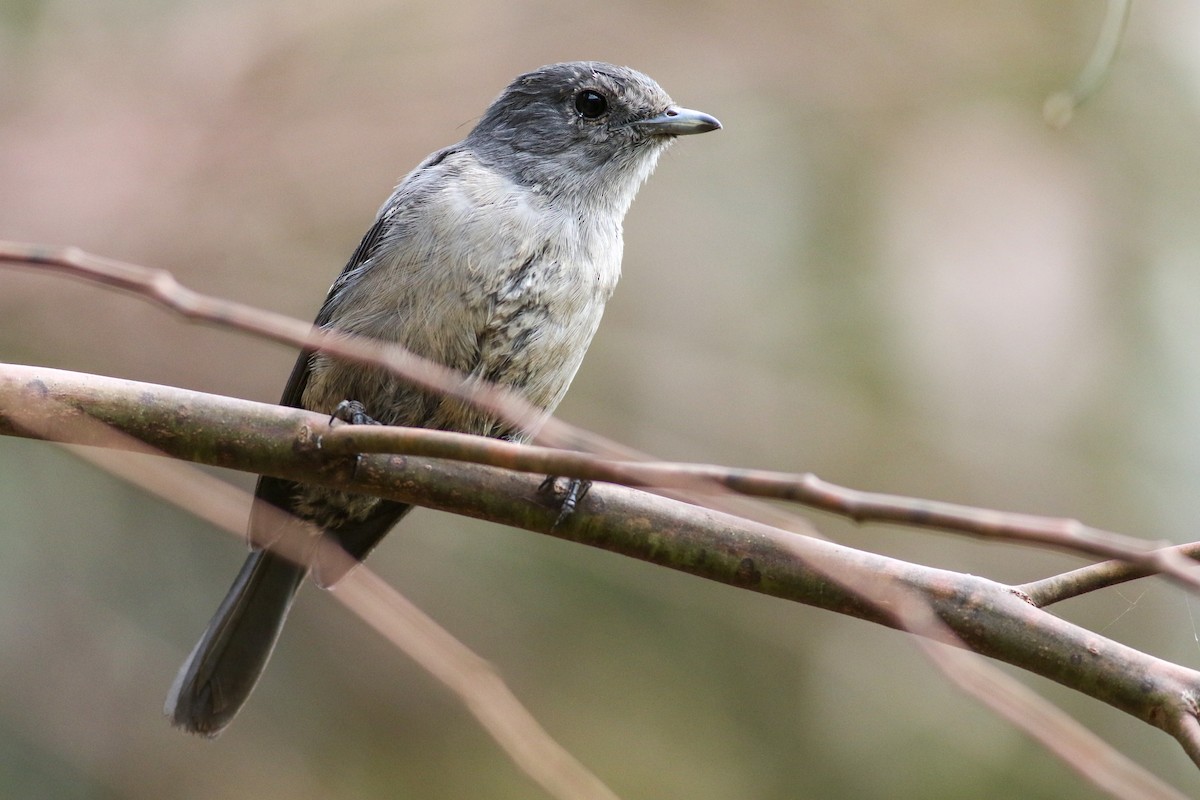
(676, 121)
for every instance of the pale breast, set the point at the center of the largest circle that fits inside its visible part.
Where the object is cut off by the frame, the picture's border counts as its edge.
(484, 276)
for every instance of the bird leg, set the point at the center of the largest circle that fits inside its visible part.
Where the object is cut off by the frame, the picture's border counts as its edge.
(352, 412)
(576, 490)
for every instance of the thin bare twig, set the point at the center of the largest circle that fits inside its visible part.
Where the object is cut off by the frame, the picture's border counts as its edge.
(980, 614)
(477, 685)
(803, 488)
(1083, 751)
(160, 287)
(1066, 585)
(1059, 107)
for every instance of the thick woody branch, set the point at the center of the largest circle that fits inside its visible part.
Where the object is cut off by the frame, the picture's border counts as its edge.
(160, 287)
(983, 615)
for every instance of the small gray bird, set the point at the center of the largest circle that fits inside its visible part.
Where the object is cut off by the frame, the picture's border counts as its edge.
(495, 257)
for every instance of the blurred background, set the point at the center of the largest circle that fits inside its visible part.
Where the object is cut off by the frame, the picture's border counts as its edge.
(887, 269)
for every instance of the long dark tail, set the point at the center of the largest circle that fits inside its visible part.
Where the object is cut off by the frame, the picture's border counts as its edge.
(226, 663)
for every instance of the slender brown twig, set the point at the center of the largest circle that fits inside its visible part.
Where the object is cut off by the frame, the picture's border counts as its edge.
(960, 609)
(803, 488)
(1066, 585)
(161, 287)
(851, 597)
(475, 682)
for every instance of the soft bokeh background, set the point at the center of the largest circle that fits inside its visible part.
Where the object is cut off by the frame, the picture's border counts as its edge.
(886, 269)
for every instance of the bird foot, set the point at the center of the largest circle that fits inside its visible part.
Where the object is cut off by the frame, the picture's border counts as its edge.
(352, 412)
(576, 490)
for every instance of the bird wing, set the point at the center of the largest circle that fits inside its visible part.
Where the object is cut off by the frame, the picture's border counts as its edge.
(280, 492)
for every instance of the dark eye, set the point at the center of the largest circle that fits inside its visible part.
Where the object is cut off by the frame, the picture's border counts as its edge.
(590, 104)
